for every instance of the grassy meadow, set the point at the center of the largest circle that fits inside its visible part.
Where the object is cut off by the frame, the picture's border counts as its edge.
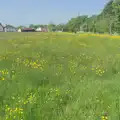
(59, 76)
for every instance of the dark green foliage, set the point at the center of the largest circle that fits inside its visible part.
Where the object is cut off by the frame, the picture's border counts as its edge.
(108, 21)
(75, 23)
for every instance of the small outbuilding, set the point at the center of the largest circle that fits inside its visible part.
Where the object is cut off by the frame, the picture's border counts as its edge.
(28, 30)
(42, 29)
(19, 30)
(39, 29)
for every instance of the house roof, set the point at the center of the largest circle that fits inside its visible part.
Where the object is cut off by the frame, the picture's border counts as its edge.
(9, 26)
(28, 29)
(1, 24)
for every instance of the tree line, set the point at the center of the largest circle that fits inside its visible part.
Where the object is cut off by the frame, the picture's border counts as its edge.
(108, 21)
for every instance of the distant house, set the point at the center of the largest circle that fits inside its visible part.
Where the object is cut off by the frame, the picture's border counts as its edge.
(39, 29)
(28, 30)
(10, 28)
(1, 28)
(42, 29)
(19, 30)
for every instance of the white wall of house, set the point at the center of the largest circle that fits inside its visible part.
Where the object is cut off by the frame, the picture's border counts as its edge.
(39, 29)
(19, 30)
(10, 29)
(1, 28)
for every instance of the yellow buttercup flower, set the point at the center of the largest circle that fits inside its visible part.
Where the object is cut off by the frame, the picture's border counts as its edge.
(104, 118)
(2, 78)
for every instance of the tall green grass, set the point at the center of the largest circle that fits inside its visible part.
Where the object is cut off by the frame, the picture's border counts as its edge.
(59, 76)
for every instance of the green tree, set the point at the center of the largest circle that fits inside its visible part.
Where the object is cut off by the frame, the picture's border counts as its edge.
(52, 27)
(75, 24)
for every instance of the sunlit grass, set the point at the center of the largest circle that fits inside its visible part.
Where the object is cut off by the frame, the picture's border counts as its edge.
(59, 76)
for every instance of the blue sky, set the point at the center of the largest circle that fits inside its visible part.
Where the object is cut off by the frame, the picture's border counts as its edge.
(25, 12)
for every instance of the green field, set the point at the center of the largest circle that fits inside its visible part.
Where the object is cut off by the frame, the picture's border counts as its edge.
(59, 76)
